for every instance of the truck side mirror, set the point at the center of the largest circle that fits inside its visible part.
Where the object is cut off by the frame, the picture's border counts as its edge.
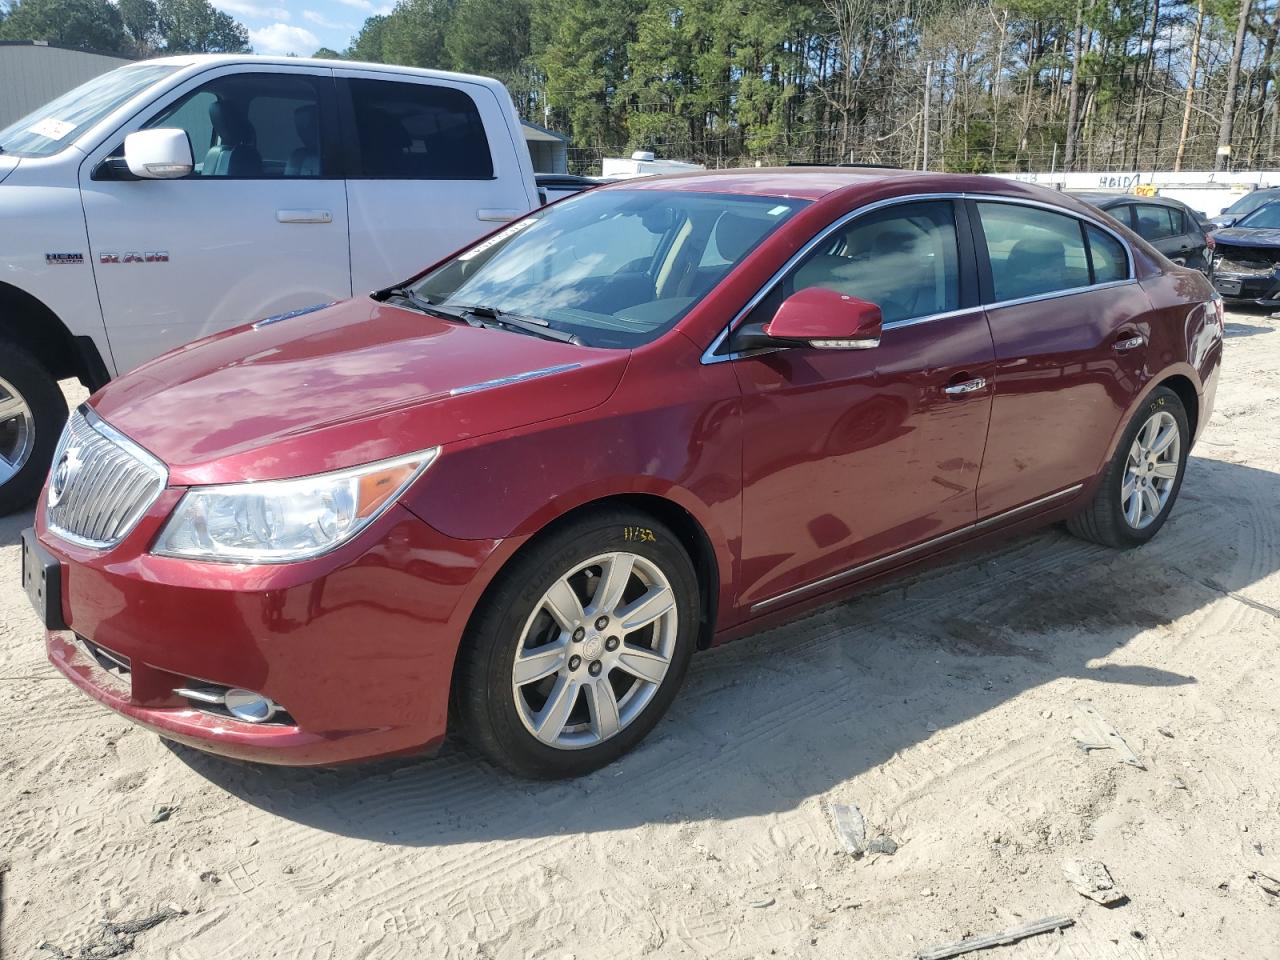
(163, 154)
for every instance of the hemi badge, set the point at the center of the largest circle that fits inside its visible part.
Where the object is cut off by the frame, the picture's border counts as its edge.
(52, 259)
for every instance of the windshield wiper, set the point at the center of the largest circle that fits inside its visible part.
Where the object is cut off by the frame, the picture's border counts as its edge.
(424, 305)
(533, 325)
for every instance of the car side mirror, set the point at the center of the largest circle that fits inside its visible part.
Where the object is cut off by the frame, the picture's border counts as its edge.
(163, 154)
(816, 317)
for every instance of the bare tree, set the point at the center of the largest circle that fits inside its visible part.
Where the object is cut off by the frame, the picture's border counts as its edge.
(1233, 80)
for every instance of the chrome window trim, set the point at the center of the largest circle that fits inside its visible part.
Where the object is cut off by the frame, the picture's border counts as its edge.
(907, 552)
(709, 355)
(144, 457)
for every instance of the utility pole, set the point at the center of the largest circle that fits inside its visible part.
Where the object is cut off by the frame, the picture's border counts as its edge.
(928, 82)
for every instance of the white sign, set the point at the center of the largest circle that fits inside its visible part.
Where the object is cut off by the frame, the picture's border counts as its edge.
(51, 128)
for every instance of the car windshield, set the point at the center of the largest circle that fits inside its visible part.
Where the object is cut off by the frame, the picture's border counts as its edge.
(47, 130)
(1264, 218)
(614, 267)
(1249, 203)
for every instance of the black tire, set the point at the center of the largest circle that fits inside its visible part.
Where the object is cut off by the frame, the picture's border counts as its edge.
(484, 697)
(48, 413)
(1103, 520)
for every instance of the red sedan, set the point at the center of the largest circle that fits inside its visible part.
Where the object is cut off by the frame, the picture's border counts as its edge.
(517, 492)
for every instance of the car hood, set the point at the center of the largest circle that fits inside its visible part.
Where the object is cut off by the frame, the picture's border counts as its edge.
(1244, 237)
(342, 385)
(7, 166)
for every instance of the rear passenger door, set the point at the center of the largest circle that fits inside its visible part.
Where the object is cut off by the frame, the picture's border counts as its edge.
(1070, 327)
(1166, 228)
(432, 164)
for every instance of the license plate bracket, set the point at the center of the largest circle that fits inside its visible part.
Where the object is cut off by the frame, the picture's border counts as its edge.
(1227, 286)
(42, 579)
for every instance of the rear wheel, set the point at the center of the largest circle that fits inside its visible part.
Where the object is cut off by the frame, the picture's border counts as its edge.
(32, 413)
(1141, 483)
(580, 647)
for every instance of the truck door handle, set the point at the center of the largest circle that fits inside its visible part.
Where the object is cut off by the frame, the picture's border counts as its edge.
(501, 214)
(965, 386)
(1129, 343)
(304, 216)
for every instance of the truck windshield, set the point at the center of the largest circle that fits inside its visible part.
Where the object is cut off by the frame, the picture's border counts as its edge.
(614, 267)
(49, 129)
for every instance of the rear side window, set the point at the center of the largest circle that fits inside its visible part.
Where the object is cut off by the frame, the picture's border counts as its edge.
(1033, 251)
(253, 126)
(1110, 262)
(1156, 223)
(418, 131)
(904, 259)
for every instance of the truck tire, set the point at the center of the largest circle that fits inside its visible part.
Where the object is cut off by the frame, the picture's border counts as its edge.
(32, 414)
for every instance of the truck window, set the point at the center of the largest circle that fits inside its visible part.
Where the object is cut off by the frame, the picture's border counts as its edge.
(255, 126)
(59, 122)
(418, 131)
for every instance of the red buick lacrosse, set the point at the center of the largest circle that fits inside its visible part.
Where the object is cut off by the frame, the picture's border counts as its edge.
(516, 493)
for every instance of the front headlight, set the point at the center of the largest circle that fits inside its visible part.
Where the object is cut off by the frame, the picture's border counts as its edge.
(277, 521)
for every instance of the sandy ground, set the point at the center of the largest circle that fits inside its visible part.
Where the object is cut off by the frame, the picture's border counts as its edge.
(942, 706)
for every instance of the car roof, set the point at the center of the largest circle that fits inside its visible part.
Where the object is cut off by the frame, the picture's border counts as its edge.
(814, 183)
(1105, 200)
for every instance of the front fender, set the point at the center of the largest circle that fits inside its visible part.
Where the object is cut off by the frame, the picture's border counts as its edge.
(686, 449)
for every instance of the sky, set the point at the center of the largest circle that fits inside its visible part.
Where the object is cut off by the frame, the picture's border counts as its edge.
(301, 26)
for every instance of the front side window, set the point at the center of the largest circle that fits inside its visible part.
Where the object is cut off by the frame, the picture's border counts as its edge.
(904, 259)
(1156, 223)
(418, 131)
(255, 126)
(614, 267)
(1033, 251)
(44, 132)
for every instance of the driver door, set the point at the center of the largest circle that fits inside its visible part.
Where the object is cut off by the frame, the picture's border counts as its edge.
(851, 456)
(260, 226)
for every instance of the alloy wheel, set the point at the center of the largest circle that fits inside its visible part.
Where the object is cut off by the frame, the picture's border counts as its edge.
(17, 431)
(595, 650)
(1151, 470)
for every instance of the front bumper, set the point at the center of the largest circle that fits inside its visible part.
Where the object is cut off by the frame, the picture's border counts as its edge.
(358, 646)
(1264, 290)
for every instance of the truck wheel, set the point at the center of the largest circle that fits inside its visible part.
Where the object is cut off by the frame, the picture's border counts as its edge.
(32, 414)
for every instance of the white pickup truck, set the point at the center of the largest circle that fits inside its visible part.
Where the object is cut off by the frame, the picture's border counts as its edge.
(176, 197)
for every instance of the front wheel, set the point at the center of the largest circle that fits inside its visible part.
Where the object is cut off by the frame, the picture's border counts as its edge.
(1141, 483)
(32, 413)
(580, 647)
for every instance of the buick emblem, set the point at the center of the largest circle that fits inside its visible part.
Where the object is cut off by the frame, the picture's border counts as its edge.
(63, 471)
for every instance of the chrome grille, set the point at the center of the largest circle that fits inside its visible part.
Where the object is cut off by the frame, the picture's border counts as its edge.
(101, 482)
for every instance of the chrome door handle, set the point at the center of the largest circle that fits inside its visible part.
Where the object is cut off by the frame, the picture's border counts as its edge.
(1130, 343)
(500, 214)
(968, 386)
(304, 216)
